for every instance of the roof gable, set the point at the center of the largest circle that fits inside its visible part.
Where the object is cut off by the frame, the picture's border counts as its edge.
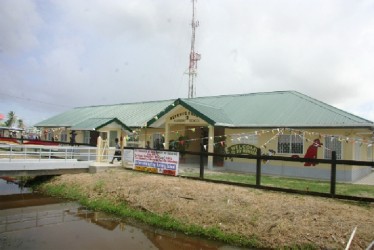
(97, 123)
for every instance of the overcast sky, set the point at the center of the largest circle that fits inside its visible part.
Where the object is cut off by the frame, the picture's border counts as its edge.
(56, 55)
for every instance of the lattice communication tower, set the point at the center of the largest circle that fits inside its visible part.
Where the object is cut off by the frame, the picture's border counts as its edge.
(194, 57)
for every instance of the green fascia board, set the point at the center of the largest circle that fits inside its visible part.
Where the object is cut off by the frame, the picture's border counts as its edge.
(97, 123)
(184, 104)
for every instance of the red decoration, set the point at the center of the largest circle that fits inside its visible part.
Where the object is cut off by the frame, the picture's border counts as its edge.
(312, 152)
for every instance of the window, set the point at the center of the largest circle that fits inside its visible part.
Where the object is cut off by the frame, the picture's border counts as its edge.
(132, 140)
(357, 155)
(64, 136)
(290, 144)
(370, 153)
(332, 144)
(112, 136)
(158, 141)
(86, 137)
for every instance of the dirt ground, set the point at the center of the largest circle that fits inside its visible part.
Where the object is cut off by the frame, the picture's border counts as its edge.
(277, 219)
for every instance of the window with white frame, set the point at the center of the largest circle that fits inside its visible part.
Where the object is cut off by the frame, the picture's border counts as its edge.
(357, 155)
(332, 144)
(370, 153)
(132, 140)
(158, 141)
(86, 137)
(290, 144)
(64, 136)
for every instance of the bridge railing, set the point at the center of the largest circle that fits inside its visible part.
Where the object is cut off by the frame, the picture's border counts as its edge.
(11, 153)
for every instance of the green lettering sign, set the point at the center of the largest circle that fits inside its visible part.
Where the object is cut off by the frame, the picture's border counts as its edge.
(242, 149)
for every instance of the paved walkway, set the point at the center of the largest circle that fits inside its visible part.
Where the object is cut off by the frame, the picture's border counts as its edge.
(367, 180)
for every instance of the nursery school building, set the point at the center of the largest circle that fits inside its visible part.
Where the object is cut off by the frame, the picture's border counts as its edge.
(281, 123)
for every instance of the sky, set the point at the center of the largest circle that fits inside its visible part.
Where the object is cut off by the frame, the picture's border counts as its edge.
(59, 54)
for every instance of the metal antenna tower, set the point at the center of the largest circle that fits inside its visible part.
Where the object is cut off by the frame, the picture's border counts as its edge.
(194, 57)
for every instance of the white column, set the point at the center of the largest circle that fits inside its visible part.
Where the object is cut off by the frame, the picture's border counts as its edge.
(166, 136)
(98, 149)
(210, 146)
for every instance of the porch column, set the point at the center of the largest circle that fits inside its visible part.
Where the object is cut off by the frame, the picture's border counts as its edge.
(122, 141)
(210, 146)
(166, 146)
(99, 149)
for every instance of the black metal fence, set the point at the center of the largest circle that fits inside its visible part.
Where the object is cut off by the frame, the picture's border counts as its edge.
(260, 158)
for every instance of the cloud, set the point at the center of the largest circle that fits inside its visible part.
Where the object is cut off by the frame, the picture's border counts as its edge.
(19, 25)
(78, 53)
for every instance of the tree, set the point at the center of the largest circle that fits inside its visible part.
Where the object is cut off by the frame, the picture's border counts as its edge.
(21, 124)
(11, 119)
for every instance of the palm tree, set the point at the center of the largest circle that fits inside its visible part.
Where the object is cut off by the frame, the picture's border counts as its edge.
(11, 119)
(21, 124)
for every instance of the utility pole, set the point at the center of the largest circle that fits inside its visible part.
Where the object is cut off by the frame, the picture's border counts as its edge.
(194, 57)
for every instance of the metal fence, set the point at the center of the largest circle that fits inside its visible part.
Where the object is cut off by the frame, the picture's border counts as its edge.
(259, 158)
(12, 153)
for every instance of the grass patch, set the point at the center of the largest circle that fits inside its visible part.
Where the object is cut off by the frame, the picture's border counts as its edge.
(294, 183)
(161, 221)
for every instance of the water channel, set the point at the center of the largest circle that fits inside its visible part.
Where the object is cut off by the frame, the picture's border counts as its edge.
(33, 221)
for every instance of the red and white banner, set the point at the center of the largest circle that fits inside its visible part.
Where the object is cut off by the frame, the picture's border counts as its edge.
(162, 162)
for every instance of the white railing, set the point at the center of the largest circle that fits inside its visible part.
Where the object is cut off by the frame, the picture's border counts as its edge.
(10, 153)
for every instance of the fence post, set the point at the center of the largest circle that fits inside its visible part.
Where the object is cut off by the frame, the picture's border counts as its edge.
(258, 168)
(201, 162)
(11, 153)
(333, 173)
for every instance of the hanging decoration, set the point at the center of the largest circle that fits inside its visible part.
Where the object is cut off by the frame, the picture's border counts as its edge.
(276, 132)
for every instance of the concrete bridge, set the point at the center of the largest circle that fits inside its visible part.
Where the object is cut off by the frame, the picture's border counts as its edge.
(26, 160)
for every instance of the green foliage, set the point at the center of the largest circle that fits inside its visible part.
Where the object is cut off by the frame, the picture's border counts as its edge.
(220, 144)
(99, 186)
(11, 119)
(181, 145)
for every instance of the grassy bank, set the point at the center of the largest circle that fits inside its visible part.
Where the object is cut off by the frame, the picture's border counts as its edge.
(121, 209)
(233, 215)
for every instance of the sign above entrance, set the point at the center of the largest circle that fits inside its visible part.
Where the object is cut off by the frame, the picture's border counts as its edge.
(185, 117)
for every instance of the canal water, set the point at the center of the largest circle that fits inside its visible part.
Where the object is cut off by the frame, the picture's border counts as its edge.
(33, 221)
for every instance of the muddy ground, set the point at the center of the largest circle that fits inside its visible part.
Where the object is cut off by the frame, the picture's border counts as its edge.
(277, 219)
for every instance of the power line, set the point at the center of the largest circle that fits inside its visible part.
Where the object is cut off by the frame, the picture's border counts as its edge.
(33, 100)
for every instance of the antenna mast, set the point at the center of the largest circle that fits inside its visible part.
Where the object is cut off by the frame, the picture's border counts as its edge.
(194, 57)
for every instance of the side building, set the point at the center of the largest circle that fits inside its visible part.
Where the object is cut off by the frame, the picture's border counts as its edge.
(282, 123)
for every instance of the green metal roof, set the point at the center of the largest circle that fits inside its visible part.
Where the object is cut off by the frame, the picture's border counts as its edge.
(130, 114)
(268, 109)
(271, 109)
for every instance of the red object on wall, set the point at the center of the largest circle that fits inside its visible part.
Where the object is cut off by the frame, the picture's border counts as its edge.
(312, 152)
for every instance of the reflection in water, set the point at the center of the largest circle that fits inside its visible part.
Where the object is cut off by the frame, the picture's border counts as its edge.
(30, 221)
(69, 226)
(9, 185)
